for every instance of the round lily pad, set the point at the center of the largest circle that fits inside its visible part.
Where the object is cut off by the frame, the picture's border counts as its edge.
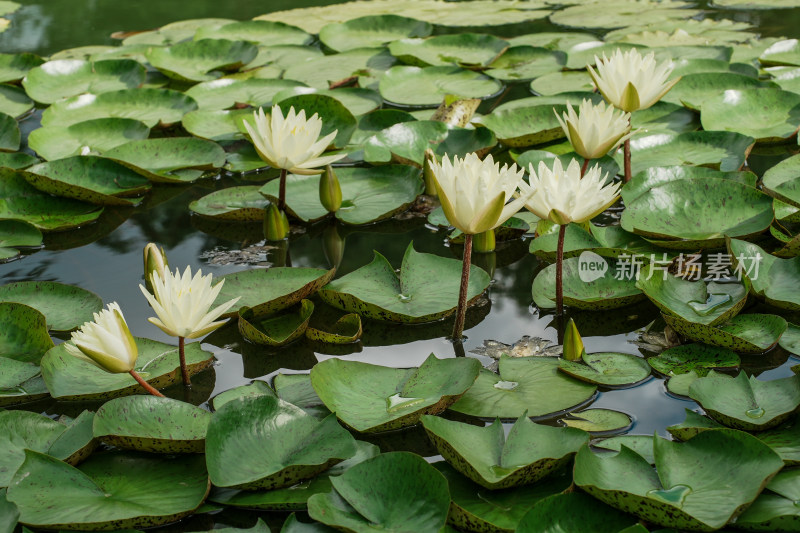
(371, 30)
(489, 458)
(774, 509)
(260, 32)
(785, 440)
(694, 424)
(370, 398)
(222, 125)
(679, 384)
(344, 331)
(781, 180)
(20, 382)
(783, 52)
(13, 67)
(90, 179)
(243, 203)
(15, 234)
(562, 82)
(65, 307)
(524, 62)
(338, 68)
(689, 209)
(641, 444)
(790, 340)
(151, 106)
(609, 369)
(201, 60)
(173, 32)
(745, 402)
(9, 134)
(777, 117)
(263, 442)
(396, 491)
(228, 92)
(600, 289)
(427, 87)
(164, 159)
(598, 421)
(573, 511)
(665, 117)
(63, 78)
(152, 424)
(256, 388)
(752, 333)
(425, 290)
(14, 101)
(110, 490)
(698, 358)
(69, 378)
(770, 277)
(17, 160)
(628, 482)
(619, 13)
(357, 100)
(96, 135)
(277, 330)
(525, 126)
(693, 89)
(24, 202)
(655, 176)
(468, 50)
(265, 292)
(531, 384)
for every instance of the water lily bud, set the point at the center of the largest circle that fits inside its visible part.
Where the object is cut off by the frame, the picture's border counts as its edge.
(484, 242)
(332, 246)
(427, 173)
(155, 260)
(106, 342)
(330, 193)
(276, 225)
(573, 343)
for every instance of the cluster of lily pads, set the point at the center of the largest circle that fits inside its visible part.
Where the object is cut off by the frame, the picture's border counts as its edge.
(116, 128)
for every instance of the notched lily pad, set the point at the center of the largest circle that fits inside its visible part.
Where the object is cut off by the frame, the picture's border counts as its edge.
(64, 78)
(751, 333)
(609, 369)
(698, 358)
(201, 60)
(24, 335)
(242, 204)
(598, 421)
(278, 330)
(428, 86)
(92, 136)
(170, 159)
(65, 307)
(344, 331)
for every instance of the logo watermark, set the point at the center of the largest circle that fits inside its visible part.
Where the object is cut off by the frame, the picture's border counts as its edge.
(591, 267)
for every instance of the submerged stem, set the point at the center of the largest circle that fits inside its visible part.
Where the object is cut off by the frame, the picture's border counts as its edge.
(282, 191)
(149, 388)
(184, 371)
(626, 150)
(562, 231)
(461, 310)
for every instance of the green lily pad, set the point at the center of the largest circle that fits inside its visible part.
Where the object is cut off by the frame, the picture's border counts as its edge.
(775, 508)
(428, 86)
(747, 403)
(684, 67)
(473, 508)
(96, 135)
(63, 78)
(110, 490)
(785, 440)
(276, 330)
(13, 67)
(397, 491)
(24, 336)
(173, 32)
(694, 424)
(678, 495)
(407, 142)
(656, 176)
(598, 289)
(20, 382)
(89, 179)
(15, 234)
(152, 424)
(371, 30)
(260, 32)
(25, 430)
(697, 358)
(619, 13)
(688, 209)
(265, 292)
(9, 133)
(77, 441)
(784, 52)
(161, 160)
(641, 444)
(222, 125)
(299, 446)
(722, 150)
(751, 4)
(370, 398)
(425, 290)
(770, 277)
(610, 369)
(525, 62)
(69, 378)
(65, 307)
(14, 101)
(561, 40)
(344, 331)
(573, 511)
(271, 61)
(531, 384)
(469, 50)
(790, 340)
(665, 117)
(335, 116)
(781, 180)
(151, 106)
(582, 54)
(201, 60)
(298, 390)
(327, 70)
(24, 202)
(679, 384)
(753, 333)
(598, 421)
(229, 92)
(524, 126)
(694, 89)
(256, 388)
(777, 117)
(562, 82)
(17, 160)
(243, 204)
(489, 458)
(294, 498)
(356, 99)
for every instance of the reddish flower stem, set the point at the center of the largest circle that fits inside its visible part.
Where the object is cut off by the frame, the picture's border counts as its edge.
(184, 371)
(282, 191)
(461, 310)
(562, 231)
(149, 388)
(585, 166)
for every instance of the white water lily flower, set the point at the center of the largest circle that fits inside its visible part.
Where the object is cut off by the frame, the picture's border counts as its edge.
(631, 82)
(183, 303)
(474, 192)
(562, 196)
(107, 342)
(595, 130)
(291, 143)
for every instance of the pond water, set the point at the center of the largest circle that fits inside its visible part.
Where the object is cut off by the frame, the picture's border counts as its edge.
(106, 258)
